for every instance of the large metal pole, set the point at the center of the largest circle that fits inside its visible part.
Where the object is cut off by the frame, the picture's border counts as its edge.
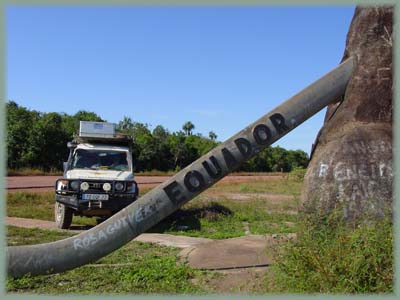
(163, 200)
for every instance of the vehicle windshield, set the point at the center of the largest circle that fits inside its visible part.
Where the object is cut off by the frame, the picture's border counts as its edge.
(100, 160)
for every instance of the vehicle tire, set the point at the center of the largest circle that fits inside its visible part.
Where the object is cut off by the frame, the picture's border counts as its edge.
(63, 215)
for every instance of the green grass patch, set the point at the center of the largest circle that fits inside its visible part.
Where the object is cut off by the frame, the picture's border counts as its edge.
(137, 268)
(30, 236)
(226, 219)
(37, 206)
(41, 206)
(31, 205)
(285, 186)
(329, 256)
(155, 173)
(218, 218)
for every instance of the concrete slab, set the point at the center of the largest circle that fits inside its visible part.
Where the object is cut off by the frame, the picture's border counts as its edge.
(177, 241)
(242, 252)
(41, 224)
(200, 253)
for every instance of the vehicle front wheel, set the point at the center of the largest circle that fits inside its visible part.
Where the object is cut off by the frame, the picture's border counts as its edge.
(63, 215)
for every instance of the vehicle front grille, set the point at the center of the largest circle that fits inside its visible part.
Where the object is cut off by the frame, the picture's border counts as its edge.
(96, 186)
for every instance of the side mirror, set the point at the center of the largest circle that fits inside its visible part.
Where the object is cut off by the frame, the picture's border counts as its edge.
(65, 166)
(71, 145)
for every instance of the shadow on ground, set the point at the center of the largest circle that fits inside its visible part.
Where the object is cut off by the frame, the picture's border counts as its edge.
(189, 219)
(80, 227)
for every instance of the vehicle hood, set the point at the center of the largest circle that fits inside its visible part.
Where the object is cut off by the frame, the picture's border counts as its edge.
(99, 174)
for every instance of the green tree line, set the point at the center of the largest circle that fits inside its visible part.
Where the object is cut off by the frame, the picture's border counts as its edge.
(38, 140)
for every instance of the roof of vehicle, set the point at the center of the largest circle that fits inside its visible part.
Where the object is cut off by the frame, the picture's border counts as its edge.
(117, 140)
(91, 146)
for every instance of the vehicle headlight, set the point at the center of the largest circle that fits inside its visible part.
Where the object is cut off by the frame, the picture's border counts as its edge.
(119, 186)
(84, 186)
(74, 185)
(62, 185)
(107, 187)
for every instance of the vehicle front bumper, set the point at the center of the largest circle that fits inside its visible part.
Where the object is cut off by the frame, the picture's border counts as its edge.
(114, 203)
(116, 200)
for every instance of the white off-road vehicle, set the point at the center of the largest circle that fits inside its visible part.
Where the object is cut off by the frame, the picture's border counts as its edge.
(98, 177)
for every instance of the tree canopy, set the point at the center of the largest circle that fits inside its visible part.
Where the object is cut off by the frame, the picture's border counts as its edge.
(188, 128)
(39, 140)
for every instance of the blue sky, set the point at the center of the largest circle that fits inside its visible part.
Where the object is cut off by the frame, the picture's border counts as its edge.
(219, 67)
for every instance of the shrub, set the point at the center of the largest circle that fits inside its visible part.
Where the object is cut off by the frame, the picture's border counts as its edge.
(329, 256)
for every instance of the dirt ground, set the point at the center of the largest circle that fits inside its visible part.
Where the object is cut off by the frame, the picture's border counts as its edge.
(238, 281)
(46, 183)
(242, 264)
(242, 280)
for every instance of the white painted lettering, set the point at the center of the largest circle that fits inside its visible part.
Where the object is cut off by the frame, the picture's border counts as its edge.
(77, 244)
(323, 170)
(86, 242)
(110, 229)
(338, 172)
(102, 235)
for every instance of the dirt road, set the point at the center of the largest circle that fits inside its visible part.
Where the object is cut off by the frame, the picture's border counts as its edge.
(46, 183)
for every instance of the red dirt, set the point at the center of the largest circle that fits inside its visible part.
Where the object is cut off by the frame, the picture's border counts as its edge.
(46, 183)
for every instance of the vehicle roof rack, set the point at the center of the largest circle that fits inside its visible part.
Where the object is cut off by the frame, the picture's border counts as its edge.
(118, 139)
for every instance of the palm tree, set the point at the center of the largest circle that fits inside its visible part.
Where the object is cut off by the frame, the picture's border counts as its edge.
(125, 124)
(188, 127)
(212, 135)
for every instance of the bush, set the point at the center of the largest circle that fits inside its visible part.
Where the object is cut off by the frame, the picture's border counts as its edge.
(329, 256)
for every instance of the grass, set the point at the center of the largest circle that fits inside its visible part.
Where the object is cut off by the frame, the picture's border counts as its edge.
(214, 214)
(135, 268)
(240, 173)
(31, 205)
(144, 268)
(284, 186)
(155, 173)
(27, 236)
(329, 256)
(37, 206)
(226, 219)
(41, 206)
